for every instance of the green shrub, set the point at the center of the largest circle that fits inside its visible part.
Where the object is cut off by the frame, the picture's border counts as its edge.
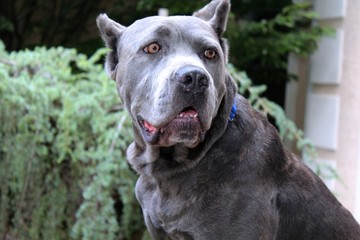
(63, 137)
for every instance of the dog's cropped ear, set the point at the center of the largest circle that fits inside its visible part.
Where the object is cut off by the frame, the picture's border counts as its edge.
(110, 32)
(216, 13)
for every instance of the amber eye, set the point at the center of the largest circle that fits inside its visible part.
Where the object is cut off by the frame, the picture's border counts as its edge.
(210, 54)
(152, 48)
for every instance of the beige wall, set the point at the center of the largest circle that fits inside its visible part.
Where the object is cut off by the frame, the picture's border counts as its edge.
(330, 87)
(348, 154)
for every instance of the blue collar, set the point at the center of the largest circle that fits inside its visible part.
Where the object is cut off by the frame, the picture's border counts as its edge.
(233, 111)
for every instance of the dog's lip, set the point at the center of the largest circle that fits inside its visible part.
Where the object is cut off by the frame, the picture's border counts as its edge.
(152, 133)
(149, 131)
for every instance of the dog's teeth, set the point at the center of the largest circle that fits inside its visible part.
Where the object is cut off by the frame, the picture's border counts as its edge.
(182, 115)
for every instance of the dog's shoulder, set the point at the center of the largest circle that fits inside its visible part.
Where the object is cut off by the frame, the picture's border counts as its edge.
(300, 197)
(255, 138)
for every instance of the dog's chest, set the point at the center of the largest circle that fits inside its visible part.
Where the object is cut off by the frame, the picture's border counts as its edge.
(168, 208)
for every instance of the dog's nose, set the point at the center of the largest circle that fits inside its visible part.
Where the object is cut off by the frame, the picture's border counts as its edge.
(192, 79)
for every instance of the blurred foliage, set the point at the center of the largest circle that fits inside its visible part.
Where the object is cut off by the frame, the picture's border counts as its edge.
(63, 138)
(70, 23)
(245, 9)
(175, 7)
(264, 45)
(261, 46)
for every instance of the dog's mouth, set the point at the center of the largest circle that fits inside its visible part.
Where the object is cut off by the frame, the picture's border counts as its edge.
(184, 128)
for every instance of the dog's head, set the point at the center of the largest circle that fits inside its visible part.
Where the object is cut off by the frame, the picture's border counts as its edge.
(170, 72)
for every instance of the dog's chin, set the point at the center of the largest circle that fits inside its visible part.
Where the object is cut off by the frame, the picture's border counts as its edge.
(185, 128)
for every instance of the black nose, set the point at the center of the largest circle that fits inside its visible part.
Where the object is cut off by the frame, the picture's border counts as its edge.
(192, 79)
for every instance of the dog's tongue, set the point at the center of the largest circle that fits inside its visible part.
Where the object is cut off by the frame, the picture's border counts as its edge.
(150, 128)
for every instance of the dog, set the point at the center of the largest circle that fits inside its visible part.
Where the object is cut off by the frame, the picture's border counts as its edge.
(209, 165)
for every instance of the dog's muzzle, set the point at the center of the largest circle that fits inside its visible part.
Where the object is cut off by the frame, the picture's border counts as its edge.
(190, 85)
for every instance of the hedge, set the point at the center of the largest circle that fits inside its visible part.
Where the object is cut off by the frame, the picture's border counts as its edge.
(63, 136)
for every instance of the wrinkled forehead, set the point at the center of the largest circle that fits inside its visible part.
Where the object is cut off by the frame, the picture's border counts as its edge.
(174, 28)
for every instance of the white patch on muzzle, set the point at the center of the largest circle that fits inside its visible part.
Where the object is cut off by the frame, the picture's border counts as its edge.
(172, 65)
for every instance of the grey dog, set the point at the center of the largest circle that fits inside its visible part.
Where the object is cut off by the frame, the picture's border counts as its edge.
(209, 165)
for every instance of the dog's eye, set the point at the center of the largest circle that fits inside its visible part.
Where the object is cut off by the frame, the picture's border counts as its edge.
(152, 48)
(210, 54)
